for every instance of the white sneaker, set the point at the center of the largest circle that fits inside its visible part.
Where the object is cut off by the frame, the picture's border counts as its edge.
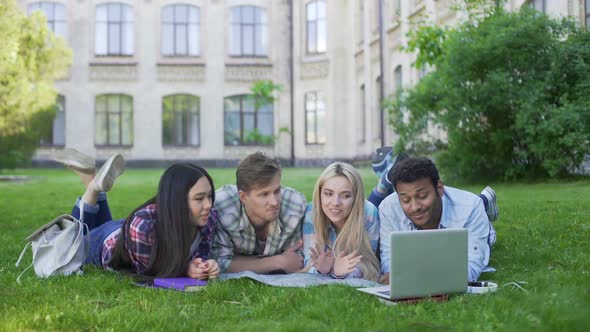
(492, 211)
(76, 160)
(105, 177)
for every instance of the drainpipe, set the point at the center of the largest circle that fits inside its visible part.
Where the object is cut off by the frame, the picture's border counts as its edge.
(291, 82)
(381, 89)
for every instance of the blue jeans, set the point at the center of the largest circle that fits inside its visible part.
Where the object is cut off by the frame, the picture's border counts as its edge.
(100, 225)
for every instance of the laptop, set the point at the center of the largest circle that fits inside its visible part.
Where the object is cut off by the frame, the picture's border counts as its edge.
(425, 263)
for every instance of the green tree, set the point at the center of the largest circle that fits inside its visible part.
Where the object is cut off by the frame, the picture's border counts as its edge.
(31, 58)
(511, 90)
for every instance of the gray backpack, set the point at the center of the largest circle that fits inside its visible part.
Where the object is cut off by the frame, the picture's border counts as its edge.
(58, 248)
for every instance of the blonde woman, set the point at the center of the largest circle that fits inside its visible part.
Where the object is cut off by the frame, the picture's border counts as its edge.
(341, 229)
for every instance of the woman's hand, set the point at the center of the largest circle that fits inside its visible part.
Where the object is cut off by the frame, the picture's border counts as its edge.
(344, 264)
(322, 260)
(197, 269)
(212, 268)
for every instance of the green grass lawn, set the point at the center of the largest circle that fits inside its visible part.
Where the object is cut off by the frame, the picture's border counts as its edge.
(543, 240)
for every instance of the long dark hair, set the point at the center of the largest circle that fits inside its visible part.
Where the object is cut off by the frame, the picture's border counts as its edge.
(174, 233)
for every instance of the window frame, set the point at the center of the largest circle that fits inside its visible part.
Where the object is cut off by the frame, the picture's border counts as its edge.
(118, 113)
(121, 23)
(256, 26)
(534, 3)
(51, 21)
(255, 113)
(186, 118)
(316, 22)
(60, 105)
(315, 111)
(175, 26)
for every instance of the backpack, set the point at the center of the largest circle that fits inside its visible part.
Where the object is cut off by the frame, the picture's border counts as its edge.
(58, 247)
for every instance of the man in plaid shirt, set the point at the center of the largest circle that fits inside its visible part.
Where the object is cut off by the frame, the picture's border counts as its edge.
(259, 221)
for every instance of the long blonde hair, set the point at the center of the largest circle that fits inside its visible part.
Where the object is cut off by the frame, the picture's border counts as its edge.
(353, 235)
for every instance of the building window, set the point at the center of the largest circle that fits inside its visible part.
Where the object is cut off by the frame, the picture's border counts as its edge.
(315, 118)
(114, 120)
(248, 31)
(56, 136)
(397, 7)
(55, 13)
(245, 124)
(398, 79)
(114, 29)
(316, 26)
(180, 120)
(538, 5)
(180, 30)
(588, 14)
(363, 119)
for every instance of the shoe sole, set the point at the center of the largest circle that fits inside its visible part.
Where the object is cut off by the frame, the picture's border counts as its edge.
(381, 153)
(494, 207)
(76, 160)
(112, 168)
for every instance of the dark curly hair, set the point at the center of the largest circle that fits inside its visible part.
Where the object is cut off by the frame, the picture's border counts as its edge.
(414, 169)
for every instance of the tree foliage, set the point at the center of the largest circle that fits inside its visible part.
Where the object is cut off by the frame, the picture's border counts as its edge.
(512, 92)
(31, 58)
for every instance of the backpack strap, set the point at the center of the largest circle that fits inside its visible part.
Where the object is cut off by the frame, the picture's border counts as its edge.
(18, 262)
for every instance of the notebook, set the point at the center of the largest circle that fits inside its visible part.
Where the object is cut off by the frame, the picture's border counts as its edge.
(181, 284)
(425, 263)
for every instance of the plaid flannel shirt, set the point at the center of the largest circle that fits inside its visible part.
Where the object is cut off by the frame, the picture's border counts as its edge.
(236, 236)
(143, 236)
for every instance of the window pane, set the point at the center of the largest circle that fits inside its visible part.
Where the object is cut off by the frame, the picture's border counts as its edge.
(321, 9)
(47, 8)
(181, 40)
(167, 118)
(179, 128)
(310, 127)
(235, 14)
(260, 15)
(127, 128)
(127, 39)
(311, 37)
(60, 29)
(167, 39)
(265, 124)
(193, 39)
(101, 13)
(321, 128)
(100, 43)
(114, 39)
(126, 104)
(248, 122)
(248, 41)
(321, 36)
(232, 128)
(59, 128)
(100, 129)
(168, 14)
(235, 40)
(262, 36)
(311, 12)
(247, 14)
(114, 11)
(194, 129)
(193, 14)
(180, 14)
(247, 104)
(231, 104)
(60, 12)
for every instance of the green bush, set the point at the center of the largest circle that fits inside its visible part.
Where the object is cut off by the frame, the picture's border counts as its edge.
(511, 90)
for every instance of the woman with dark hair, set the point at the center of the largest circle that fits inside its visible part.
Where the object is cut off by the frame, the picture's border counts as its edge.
(168, 236)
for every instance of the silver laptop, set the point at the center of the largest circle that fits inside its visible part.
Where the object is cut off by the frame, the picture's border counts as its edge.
(425, 263)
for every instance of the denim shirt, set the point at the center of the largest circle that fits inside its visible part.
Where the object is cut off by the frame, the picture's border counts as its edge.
(371, 226)
(460, 209)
